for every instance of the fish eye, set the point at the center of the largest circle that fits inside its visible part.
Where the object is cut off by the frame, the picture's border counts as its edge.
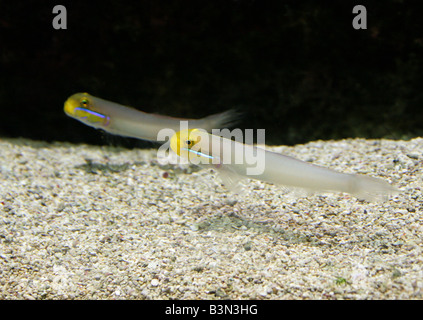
(84, 102)
(189, 143)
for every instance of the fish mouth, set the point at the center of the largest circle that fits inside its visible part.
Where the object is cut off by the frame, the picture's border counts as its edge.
(70, 106)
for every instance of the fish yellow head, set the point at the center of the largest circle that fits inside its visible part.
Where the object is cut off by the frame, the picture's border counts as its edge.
(183, 141)
(197, 146)
(81, 107)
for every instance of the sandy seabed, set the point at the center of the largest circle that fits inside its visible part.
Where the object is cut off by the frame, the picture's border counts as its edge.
(85, 222)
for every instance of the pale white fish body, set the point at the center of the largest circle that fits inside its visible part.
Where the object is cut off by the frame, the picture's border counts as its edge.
(288, 171)
(279, 169)
(129, 122)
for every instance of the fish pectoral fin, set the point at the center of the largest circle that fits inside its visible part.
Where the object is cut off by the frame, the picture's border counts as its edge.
(230, 179)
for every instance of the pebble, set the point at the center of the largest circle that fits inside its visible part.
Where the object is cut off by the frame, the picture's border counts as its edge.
(413, 156)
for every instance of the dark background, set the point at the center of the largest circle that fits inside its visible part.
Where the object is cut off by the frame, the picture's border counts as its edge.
(296, 68)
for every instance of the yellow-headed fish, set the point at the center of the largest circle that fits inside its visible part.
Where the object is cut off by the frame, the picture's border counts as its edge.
(232, 160)
(129, 122)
